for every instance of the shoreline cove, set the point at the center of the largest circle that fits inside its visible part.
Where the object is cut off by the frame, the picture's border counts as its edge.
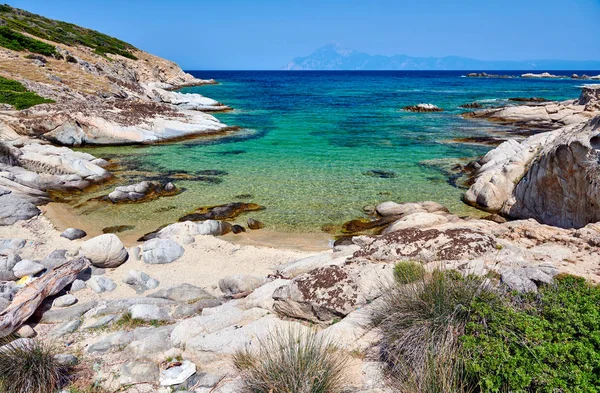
(359, 225)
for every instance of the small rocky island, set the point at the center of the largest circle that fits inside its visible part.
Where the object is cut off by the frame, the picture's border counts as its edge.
(183, 309)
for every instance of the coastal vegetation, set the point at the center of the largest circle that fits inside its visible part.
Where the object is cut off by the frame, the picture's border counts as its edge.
(449, 332)
(14, 93)
(62, 32)
(30, 366)
(292, 361)
(16, 41)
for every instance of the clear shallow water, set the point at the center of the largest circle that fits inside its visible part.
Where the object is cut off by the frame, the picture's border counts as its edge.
(308, 139)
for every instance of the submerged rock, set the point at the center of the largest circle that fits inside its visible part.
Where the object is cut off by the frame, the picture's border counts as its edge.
(362, 225)
(380, 173)
(118, 228)
(221, 212)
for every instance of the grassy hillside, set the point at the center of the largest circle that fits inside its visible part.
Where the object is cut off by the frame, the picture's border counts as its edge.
(16, 20)
(16, 41)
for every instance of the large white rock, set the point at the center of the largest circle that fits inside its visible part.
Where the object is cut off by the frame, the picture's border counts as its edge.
(159, 251)
(178, 374)
(191, 228)
(104, 251)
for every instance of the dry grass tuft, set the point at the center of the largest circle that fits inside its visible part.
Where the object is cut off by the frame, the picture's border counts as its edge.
(29, 366)
(421, 326)
(292, 362)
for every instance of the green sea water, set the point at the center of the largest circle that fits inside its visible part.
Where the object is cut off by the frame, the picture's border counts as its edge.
(312, 143)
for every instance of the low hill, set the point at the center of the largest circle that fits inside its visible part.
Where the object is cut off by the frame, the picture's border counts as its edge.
(79, 86)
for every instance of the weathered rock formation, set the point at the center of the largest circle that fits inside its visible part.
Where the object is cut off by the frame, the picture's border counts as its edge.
(545, 115)
(553, 177)
(422, 108)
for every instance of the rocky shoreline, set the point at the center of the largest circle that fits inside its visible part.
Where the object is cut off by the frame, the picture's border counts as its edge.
(550, 176)
(170, 312)
(239, 293)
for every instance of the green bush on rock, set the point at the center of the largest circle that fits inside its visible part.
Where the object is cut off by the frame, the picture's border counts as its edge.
(549, 342)
(15, 94)
(449, 333)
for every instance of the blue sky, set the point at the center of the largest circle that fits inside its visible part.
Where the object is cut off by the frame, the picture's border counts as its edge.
(267, 34)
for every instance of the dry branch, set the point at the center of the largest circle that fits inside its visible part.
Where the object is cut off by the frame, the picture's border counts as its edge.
(29, 299)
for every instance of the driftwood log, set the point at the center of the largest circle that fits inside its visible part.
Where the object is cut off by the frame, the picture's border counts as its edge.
(29, 298)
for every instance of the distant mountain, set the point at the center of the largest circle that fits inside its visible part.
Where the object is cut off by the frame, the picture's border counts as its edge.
(334, 57)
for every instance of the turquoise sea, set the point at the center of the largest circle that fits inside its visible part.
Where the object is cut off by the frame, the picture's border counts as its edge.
(310, 141)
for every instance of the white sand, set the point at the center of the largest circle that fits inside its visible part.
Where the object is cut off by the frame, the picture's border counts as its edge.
(203, 264)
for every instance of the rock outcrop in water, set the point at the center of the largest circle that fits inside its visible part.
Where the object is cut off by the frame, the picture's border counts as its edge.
(422, 108)
(544, 115)
(553, 177)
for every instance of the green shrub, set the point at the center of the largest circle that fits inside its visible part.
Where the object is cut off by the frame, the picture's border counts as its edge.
(63, 32)
(549, 342)
(30, 368)
(292, 362)
(407, 272)
(15, 94)
(421, 326)
(16, 41)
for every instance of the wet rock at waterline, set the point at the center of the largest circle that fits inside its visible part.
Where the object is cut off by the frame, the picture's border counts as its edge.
(189, 228)
(472, 105)
(237, 229)
(73, 234)
(255, 224)
(141, 192)
(422, 108)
